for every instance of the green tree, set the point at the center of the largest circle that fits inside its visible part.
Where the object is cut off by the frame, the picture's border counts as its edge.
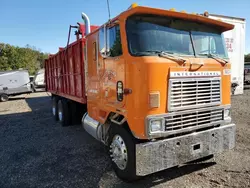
(13, 58)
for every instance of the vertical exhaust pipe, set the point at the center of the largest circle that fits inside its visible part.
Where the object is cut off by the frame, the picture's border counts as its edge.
(86, 22)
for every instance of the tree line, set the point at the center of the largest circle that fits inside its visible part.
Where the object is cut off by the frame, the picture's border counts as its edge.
(29, 58)
(14, 58)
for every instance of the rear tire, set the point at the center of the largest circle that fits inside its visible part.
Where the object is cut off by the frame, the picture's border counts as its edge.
(54, 107)
(4, 97)
(123, 156)
(64, 114)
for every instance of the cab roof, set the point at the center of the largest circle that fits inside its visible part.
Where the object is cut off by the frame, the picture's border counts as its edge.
(222, 26)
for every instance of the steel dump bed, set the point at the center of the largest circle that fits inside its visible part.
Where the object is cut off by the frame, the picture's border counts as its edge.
(64, 71)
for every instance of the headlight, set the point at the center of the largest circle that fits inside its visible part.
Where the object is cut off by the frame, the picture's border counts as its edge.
(227, 115)
(156, 125)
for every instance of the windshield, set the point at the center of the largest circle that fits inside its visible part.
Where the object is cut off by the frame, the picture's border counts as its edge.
(151, 34)
(209, 43)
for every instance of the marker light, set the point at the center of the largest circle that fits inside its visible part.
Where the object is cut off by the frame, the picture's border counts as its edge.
(133, 5)
(172, 9)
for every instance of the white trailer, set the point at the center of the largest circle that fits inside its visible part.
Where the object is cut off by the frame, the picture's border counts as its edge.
(14, 83)
(38, 81)
(235, 43)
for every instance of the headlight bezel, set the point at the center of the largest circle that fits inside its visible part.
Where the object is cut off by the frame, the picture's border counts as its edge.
(162, 125)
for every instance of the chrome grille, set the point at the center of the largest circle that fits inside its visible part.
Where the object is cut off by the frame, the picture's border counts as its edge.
(193, 120)
(193, 93)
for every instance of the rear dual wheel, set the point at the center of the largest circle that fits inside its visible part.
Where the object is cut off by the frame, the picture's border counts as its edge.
(60, 110)
(64, 115)
(55, 107)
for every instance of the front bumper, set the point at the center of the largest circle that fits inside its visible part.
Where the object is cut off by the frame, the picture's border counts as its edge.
(159, 155)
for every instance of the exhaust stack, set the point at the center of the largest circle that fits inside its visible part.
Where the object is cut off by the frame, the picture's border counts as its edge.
(87, 23)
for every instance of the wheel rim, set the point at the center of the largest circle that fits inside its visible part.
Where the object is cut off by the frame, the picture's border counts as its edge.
(54, 109)
(118, 151)
(60, 112)
(4, 97)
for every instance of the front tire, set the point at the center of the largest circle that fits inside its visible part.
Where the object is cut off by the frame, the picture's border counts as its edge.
(4, 97)
(122, 152)
(64, 114)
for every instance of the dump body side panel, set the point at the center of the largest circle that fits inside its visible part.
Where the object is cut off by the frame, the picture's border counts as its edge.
(64, 72)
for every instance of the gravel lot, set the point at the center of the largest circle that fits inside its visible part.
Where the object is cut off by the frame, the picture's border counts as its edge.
(35, 151)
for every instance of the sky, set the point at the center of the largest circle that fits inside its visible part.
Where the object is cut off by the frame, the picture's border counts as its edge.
(44, 23)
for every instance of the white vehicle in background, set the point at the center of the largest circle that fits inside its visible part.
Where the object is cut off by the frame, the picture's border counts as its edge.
(14, 83)
(38, 83)
(235, 43)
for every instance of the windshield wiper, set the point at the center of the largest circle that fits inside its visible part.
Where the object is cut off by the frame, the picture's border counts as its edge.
(166, 54)
(147, 53)
(172, 56)
(220, 59)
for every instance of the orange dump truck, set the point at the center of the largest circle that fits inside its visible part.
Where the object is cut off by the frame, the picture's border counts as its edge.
(153, 85)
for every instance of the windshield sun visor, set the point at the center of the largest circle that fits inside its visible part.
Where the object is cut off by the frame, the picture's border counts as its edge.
(221, 26)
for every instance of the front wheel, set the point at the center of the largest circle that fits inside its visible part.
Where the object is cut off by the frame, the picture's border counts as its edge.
(122, 153)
